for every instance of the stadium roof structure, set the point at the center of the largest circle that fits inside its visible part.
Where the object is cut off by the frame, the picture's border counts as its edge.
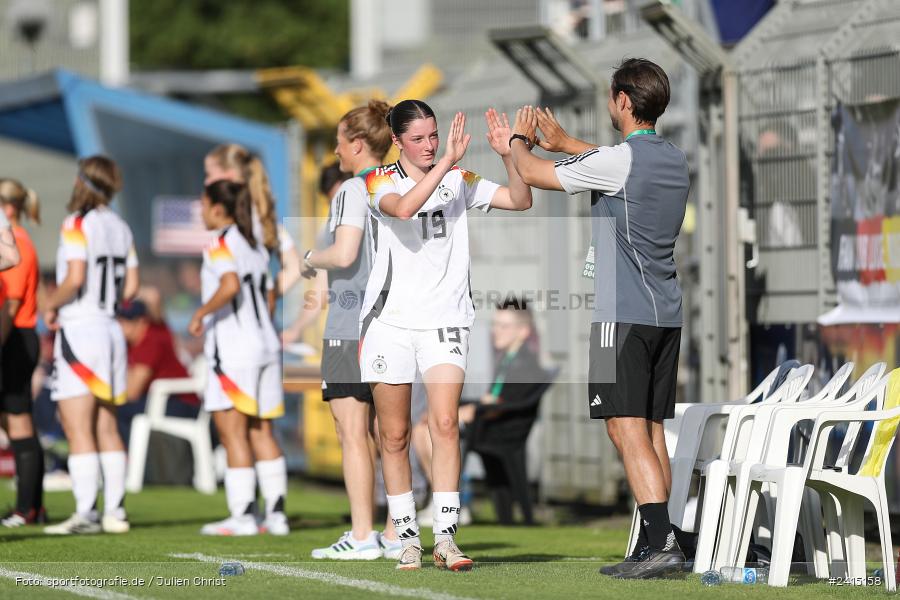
(159, 143)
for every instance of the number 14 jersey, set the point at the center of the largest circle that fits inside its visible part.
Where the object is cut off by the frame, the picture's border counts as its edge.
(420, 275)
(104, 242)
(241, 333)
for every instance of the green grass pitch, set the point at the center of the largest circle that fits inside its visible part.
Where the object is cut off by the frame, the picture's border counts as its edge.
(513, 562)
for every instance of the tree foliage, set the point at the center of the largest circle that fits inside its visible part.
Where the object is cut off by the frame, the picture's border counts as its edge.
(238, 34)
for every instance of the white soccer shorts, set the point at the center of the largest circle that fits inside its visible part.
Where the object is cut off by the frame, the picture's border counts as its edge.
(389, 354)
(254, 391)
(90, 358)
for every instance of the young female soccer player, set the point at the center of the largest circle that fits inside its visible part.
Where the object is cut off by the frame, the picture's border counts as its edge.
(96, 268)
(363, 138)
(20, 357)
(233, 162)
(243, 390)
(418, 308)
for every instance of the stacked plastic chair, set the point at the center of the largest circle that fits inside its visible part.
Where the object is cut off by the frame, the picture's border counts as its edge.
(843, 493)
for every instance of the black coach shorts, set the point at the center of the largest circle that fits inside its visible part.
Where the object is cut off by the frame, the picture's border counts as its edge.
(340, 371)
(633, 371)
(19, 359)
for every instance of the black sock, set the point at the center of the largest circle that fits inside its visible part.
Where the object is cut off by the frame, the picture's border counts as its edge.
(655, 518)
(642, 536)
(29, 458)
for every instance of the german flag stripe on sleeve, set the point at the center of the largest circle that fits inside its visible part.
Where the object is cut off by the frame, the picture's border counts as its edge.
(72, 232)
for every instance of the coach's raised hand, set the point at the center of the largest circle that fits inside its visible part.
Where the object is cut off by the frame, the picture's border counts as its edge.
(526, 124)
(555, 137)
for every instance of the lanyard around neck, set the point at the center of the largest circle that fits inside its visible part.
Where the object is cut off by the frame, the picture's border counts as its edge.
(640, 132)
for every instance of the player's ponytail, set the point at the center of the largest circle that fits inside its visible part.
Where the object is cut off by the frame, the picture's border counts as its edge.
(21, 198)
(370, 123)
(243, 215)
(405, 112)
(261, 197)
(234, 198)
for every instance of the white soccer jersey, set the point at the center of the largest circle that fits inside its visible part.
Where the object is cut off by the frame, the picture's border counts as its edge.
(420, 276)
(241, 333)
(103, 240)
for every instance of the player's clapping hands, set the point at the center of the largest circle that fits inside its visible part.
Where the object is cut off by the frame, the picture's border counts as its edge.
(499, 131)
(457, 140)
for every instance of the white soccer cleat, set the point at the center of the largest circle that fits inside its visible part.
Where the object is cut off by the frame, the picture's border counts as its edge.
(410, 559)
(447, 555)
(391, 549)
(241, 525)
(113, 524)
(346, 548)
(74, 525)
(275, 523)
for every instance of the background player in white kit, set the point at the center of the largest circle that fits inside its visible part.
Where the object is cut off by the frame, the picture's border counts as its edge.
(363, 138)
(243, 389)
(418, 307)
(96, 267)
(233, 162)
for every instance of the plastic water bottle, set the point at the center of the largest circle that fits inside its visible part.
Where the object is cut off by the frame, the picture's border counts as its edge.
(744, 575)
(711, 578)
(231, 568)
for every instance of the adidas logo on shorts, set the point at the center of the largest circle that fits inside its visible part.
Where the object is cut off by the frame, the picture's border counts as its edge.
(596, 401)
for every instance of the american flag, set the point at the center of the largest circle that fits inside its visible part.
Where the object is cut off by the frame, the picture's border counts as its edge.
(178, 227)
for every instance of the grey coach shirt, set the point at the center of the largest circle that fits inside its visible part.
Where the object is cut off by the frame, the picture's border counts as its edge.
(642, 186)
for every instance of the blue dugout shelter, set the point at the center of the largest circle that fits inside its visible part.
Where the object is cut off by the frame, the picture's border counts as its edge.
(159, 143)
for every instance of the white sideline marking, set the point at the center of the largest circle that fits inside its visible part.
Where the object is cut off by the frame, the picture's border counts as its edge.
(362, 584)
(79, 590)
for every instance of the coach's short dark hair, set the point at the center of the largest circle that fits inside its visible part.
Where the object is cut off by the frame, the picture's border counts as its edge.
(646, 84)
(329, 176)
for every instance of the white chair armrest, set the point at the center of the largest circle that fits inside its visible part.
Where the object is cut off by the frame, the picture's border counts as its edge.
(160, 390)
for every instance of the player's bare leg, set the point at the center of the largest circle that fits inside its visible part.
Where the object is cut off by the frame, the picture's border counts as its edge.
(443, 384)
(392, 404)
(78, 416)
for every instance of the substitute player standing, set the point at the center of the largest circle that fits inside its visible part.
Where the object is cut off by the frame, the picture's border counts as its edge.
(418, 308)
(243, 389)
(639, 191)
(96, 268)
(363, 138)
(233, 162)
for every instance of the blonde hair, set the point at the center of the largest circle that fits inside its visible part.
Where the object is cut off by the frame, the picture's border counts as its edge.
(253, 174)
(97, 182)
(369, 123)
(21, 198)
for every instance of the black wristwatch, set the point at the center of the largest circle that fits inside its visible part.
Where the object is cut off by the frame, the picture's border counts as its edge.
(524, 138)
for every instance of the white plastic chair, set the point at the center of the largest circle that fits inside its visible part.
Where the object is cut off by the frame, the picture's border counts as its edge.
(154, 418)
(699, 437)
(773, 425)
(846, 492)
(691, 434)
(714, 472)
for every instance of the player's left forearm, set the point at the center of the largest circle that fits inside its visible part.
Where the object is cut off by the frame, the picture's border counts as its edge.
(519, 191)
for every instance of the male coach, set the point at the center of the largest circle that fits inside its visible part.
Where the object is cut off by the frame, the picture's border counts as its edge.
(639, 191)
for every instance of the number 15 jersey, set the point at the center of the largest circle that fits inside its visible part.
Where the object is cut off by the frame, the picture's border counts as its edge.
(420, 274)
(104, 242)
